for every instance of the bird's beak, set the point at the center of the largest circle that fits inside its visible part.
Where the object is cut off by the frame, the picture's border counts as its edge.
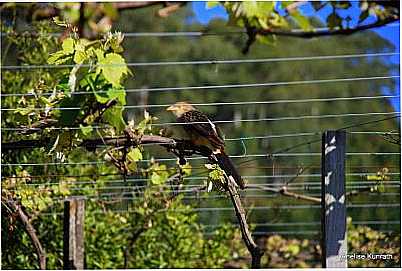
(170, 108)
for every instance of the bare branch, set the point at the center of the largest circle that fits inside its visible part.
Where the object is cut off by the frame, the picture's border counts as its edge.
(283, 191)
(255, 251)
(329, 32)
(30, 230)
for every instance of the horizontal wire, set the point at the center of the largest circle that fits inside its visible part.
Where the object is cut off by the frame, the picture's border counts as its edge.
(96, 176)
(216, 87)
(355, 98)
(290, 118)
(265, 233)
(292, 224)
(46, 186)
(284, 118)
(204, 62)
(135, 194)
(374, 132)
(268, 155)
(113, 196)
(203, 33)
(254, 208)
(140, 180)
(128, 191)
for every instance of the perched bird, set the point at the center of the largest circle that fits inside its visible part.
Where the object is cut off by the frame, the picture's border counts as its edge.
(203, 132)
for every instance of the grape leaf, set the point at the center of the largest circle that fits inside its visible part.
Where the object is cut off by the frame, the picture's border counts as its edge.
(113, 68)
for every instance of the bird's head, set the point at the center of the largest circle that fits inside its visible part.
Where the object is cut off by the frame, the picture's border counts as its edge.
(180, 108)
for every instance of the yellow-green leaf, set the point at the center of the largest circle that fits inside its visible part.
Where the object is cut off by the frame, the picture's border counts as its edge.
(135, 155)
(68, 46)
(113, 67)
(211, 4)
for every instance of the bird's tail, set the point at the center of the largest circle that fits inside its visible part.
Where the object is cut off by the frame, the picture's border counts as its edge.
(226, 164)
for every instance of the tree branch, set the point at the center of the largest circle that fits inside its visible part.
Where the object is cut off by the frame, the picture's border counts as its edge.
(255, 251)
(326, 32)
(283, 191)
(30, 230)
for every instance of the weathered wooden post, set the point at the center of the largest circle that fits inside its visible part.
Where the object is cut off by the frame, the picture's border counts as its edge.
(73, 241)
(333, 205)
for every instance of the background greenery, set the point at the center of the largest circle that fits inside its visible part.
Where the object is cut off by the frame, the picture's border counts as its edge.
(142, 237)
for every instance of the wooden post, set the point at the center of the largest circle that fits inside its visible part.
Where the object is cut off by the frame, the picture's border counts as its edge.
(333, 205)
(73, 241)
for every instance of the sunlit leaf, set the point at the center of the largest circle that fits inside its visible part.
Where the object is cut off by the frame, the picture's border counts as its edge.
(135, 155)
(68, 46)
(113, 68)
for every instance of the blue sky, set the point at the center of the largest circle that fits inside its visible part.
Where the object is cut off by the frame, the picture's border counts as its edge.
(203, 15)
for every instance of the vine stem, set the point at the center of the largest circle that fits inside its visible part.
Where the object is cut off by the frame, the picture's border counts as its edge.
(30, 230)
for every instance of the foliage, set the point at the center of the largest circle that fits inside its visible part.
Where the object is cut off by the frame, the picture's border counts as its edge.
(262, 19)
(288, 14)
(107, 230)
(291, 252)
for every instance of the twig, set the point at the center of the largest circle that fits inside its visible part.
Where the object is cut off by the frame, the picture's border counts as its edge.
(320, 33)
(255, 251)
(283, 191)
(30, 230)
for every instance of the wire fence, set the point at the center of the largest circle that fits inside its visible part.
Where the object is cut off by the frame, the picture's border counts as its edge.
(113, 188)
(205, 62)
(227, 86)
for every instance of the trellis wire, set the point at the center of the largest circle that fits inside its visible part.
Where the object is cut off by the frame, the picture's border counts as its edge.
(98, 175)
(112, 196)
(199, 158)
(230, 121)
(315, 223)
(129, 180)
(207, 62)
(216, 87)
(264, 233)
(254, 208)
(334, 99)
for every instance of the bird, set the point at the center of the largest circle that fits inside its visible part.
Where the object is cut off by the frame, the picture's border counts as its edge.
(203, 132)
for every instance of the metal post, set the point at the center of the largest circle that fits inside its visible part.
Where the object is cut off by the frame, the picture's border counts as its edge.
(73, 241)
(333, 204)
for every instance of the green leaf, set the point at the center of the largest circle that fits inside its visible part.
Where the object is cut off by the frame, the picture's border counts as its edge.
(114, 116)
(117, 93)
(294, 249)
(80, 57)
(211, 4)
(158, 179)
(113, 67)
(99, 55)
(55, 57)
(101, 97)
(86, 130)
(250, 8)
(68, 46)
(135, 155)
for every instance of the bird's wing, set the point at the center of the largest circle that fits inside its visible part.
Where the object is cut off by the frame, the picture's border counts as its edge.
(200, 124)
